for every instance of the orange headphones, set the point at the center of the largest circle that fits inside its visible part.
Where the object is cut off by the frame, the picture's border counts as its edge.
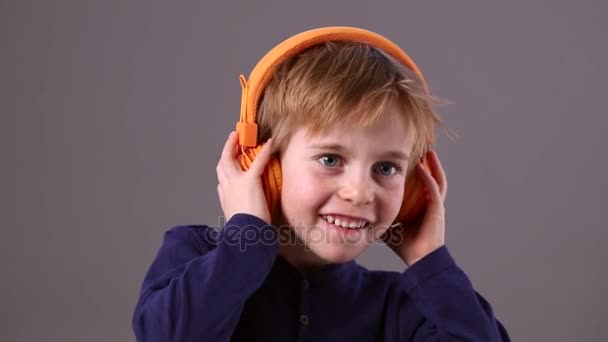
(414, 199)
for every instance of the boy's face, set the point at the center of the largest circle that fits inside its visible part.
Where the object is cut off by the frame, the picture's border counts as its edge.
(350, 173)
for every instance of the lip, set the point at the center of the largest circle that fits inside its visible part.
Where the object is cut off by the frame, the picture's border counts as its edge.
(347, 217)
(342, 230)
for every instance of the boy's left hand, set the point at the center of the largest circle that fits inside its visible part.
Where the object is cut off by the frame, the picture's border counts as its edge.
(414, 241)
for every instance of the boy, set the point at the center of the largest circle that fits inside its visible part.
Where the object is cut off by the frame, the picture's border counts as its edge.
(348, 126)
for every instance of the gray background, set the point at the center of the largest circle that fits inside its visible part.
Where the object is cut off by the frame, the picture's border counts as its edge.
(113, 114)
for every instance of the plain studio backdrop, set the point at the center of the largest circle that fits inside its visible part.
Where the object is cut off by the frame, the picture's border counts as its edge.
(113, 115)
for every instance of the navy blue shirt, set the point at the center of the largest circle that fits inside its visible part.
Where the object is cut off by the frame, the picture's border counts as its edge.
(232, 285)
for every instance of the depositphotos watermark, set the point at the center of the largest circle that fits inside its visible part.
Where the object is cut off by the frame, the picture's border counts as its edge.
(235, 233)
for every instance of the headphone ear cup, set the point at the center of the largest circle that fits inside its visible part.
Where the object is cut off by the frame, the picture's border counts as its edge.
(271, 178)
(414, 197)
(272, 182)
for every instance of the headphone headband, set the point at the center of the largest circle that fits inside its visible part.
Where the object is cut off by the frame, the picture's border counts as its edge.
(261, 74)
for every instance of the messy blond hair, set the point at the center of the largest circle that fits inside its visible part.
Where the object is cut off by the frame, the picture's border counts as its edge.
(346, 83)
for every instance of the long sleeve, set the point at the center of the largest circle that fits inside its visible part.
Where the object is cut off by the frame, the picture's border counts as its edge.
(197, 285)
(451, 310)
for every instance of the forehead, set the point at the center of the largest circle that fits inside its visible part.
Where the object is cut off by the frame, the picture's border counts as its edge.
(389, 132)
(391, 123)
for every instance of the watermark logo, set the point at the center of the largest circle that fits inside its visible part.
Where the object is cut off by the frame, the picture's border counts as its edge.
(297, 233)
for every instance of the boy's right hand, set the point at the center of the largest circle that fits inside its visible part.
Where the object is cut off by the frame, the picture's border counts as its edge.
(241, 191)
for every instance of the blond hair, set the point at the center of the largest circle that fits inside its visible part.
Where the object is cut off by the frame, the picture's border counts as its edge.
(346, 83)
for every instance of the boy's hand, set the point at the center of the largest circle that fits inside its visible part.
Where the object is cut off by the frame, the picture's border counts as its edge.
(241, 191)
(415, 241)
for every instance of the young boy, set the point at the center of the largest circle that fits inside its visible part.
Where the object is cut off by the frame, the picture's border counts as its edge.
(348, 126)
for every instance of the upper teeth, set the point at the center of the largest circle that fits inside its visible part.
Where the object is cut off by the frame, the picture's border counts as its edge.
(344, 223)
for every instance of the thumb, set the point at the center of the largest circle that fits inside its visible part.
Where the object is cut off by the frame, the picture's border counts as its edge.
(260, 161)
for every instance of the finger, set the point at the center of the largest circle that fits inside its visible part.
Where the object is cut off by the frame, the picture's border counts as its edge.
(429, 182)
(438, 173)
(229, 154)
(260, 161)
(229, 150)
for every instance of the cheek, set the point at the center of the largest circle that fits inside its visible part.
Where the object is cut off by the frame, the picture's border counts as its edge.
(302, 190)
(391, 202)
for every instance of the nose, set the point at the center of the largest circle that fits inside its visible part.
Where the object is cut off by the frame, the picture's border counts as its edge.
(357, 189)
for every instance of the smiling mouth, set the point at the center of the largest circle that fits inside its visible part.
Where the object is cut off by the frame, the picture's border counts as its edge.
(353, 224)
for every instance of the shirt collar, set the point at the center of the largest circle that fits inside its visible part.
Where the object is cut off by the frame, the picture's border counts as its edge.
(326, 272)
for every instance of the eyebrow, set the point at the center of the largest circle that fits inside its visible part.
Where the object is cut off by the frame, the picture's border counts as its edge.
(339, 148)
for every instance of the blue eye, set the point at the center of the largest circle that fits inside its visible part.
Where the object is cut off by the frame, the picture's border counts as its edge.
(329, 160)
(388, 169)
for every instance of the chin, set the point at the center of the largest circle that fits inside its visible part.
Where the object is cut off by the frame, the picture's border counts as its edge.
(335, 254)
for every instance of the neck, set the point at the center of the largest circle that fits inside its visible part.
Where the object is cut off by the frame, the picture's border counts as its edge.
(297, 254)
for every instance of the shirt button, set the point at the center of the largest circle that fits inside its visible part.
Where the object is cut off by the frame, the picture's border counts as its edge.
(304, 319)
(305, 283)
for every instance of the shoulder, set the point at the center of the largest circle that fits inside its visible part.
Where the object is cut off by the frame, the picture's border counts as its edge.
(240, 229)
(193, 236)
(401, 282)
